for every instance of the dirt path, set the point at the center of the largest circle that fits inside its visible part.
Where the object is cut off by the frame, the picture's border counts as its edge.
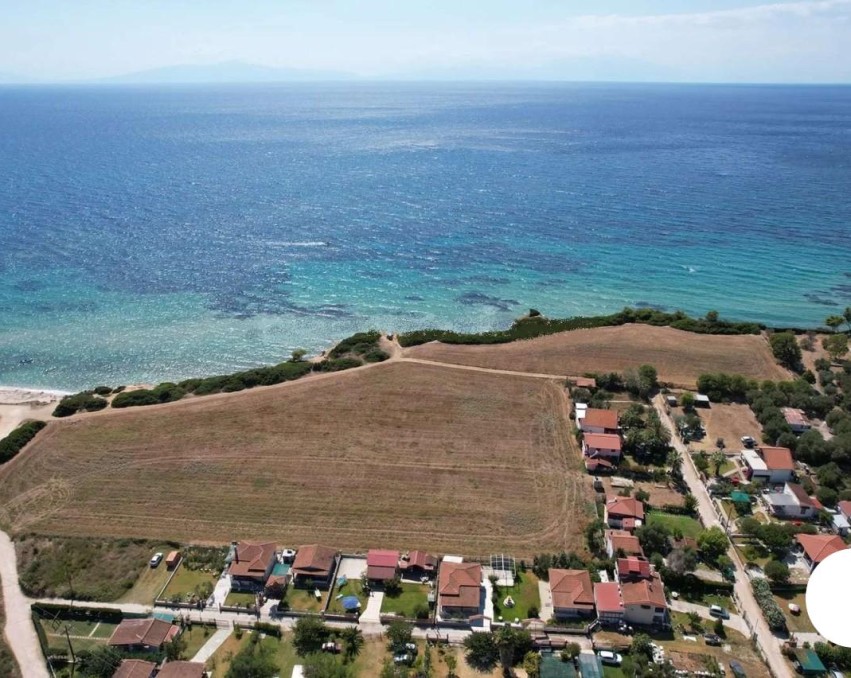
(489, 370)
(19, 630)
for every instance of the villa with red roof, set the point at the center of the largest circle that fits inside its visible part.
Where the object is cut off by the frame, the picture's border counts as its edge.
(135, 668)
(417, 564)
(607, 600)
(817, 547)
(459, 588)
(251, 565)
(314, 566)
(770, 465)
(572, 593)
(624, 513)
(602, 446)
(622, 543)
(632, 568)
(381, 565)
(644, 601)
(144, 635)
(599, 421)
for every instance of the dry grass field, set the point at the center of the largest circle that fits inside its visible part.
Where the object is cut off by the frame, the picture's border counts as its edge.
(729, 422)
(680, 357)
(398, 455)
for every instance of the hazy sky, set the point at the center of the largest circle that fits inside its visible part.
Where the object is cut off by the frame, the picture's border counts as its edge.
(693, 40)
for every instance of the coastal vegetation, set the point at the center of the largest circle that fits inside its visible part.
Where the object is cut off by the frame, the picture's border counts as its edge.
(18, 438)
(85, 401)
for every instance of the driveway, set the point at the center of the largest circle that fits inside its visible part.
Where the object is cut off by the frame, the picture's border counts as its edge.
(372, 613)
(547, 611)
(734, 622)
(214, 643)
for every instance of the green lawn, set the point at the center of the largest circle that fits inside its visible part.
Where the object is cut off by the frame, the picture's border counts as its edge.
(686, 525)
(406, 604)
(303, 599)
(708, 599)
(612, 672)
(187, 583)
(240, 599)
(796, 622)
(149, 584)
(525, 595)
(352, 587)
(280, 650)
(195, 637)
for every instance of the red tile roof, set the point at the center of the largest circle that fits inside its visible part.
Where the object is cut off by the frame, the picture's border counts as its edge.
(420, 559)
(150, 632)
(134, 668)
(794, 416)
(633, 567)
(583, 382)
(252, 559)
(381, 565)
(595, 463)
(603, 441)
(820, 546)
(801, 495)
(607, 597)
(845, 507)
(600, 418)
(777, 458)
(459, 585)
(644, 592)
(314, 561)
(626, 507)
(571, 589)
(181, 670)
(625, 542)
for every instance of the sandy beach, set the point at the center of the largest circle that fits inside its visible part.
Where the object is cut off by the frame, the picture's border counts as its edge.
(19, 404)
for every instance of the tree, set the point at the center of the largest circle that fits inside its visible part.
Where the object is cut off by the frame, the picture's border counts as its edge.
(836, 345)
(687, 401)
(641, 645)
(323, 665)
(399, 633)
(594, 536)
(532, 664)
(718, 458)
(718, 628)
(393, 587)
(846, 314)
(253, 662)
(694, 621)
(654, 539)
(785, 347)
(701, 462)
(101, 662)
(712, 544)
(775, 537)
(690, 504)
(352, 638)
(777, 572)
(482, 652)
(298, 355)
(451, 662)
(642, 495)
(681, 561)
(712, 316)
(175, 649)
(308, 635)
(834, 321)
(570, 651)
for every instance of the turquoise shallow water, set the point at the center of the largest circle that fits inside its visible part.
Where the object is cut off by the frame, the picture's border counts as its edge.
(155, 233)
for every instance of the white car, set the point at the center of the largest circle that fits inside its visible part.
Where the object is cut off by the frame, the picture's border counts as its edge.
(610, 658)
(156, 559)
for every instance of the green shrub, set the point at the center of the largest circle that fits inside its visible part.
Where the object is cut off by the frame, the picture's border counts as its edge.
(17, 439)
(337, 365)
(103, 390)
(770, 609)
(164, 393)
(85, 401)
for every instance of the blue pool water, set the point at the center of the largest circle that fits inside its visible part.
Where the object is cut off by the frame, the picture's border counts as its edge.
(153, 233)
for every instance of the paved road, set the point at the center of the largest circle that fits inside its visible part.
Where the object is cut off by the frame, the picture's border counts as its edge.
(769, 644)
(19, 630)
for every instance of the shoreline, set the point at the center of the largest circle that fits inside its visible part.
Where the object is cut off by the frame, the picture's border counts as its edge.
(19, 395)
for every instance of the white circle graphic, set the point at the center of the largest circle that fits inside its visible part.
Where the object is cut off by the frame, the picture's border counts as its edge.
(829, 597)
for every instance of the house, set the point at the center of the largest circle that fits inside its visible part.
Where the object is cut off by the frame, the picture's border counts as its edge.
(632, 568)
(181, 669)
(172, 560)
(596, 465)
(417, 564)
(459, 589)
(599, 421)
(770, 465)
(793, 503)
(602, 445)
(796, 419)
(839, 523)
(817, 547)
(844, 507)
(135, 668)
(624, 513)
(145, 635)
(607, 600)
(620, 542)
(251, 565)
(313, 566)
(644, 601)
(572, 593)
(381, 565)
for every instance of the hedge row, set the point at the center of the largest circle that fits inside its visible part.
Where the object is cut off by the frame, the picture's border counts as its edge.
(58, 610)
(537, 326)
(17, 439)
(770, 608)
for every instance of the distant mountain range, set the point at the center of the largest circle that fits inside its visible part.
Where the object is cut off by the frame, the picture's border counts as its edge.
(225, 72)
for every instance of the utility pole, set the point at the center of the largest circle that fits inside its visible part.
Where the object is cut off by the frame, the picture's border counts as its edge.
(71, 648)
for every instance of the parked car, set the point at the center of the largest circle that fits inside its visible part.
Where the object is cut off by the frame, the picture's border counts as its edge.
(156, 559)
(610, 658)
(748, 441)
(737, 668)
(406, 659)
(712, 639)
(718, 611)
(331, 647)
(411, 647)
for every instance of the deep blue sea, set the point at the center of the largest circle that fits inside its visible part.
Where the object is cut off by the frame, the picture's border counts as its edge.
(156, 233)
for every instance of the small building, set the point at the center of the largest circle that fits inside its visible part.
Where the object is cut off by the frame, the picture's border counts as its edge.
(793, 503)
(314, 566)
(620, 543)
(817, 547)
(418, 564)
(172, 560)
(602, 446)
(844, 507)
(583, 382)
(143, 635)
(671, 400)
(381, 565)
(770, 465)
(632, 568)
(701, 400)
(644, 601)
(572, 593)
(608, 601)
(135, 668)
(624, 513)
(840, 524)
(251, 565)
(599, 421)
(809, 663)
(796, 419)
(182, 669)
(596, 465)
(459, 588)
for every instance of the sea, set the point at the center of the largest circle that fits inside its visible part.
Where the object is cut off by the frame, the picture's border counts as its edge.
(154, 233)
